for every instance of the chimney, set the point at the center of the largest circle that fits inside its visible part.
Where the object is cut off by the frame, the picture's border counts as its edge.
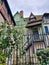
(21, 13)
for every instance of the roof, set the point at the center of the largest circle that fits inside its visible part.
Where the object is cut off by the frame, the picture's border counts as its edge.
(45, 14)
(9, 11)
(26, 19)
(32, 16)
(33, 23)
(36, 22)
(16, 13)
(38, 17)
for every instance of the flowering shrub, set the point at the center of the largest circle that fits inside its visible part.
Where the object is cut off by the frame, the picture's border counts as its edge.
(9, 36)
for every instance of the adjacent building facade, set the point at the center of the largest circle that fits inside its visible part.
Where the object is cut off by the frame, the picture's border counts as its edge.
(45, 27)
(38, 38)
(21, 24)
(5, 12)
(6, 16)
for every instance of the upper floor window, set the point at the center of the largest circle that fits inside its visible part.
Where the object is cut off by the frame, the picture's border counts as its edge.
(46, 19)
(32, 19)
(46, 30)
(35, 33)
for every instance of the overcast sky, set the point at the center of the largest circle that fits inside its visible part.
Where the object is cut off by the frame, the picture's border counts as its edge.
(28, 6)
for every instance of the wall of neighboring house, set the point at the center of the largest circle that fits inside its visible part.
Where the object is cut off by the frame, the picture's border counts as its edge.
(46, 36)
(42, 39)
(6, 16)
(45, 22)
(19, 20)
(33, 31)
(5, 12)
(45, 26)
(31, 53)
(1, 18)
(36, 30)
(27, 56)
(37, 45)
(21, 23)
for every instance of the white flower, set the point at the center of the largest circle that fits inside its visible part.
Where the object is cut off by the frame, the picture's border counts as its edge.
(13, 42)
(1, 29)
(0, 42)
(5, 36)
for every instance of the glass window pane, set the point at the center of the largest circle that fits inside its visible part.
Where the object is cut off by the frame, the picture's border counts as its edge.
(46, 29)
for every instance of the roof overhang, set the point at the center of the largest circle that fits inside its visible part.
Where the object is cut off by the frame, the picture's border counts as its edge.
(33, 24)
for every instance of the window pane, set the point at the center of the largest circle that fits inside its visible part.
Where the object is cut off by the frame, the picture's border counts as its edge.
(46, 29)
(35, 34)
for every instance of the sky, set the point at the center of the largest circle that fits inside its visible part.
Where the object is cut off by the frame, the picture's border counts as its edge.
(37, 7)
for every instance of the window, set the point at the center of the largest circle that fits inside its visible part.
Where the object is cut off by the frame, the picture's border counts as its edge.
(35, 33)
(32, 19)
(46, 30)
(46, 20)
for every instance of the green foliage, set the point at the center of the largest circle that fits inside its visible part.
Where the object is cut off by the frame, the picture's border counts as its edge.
(43, 55)
(9, 36)
(2, 56)
(2, 64)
